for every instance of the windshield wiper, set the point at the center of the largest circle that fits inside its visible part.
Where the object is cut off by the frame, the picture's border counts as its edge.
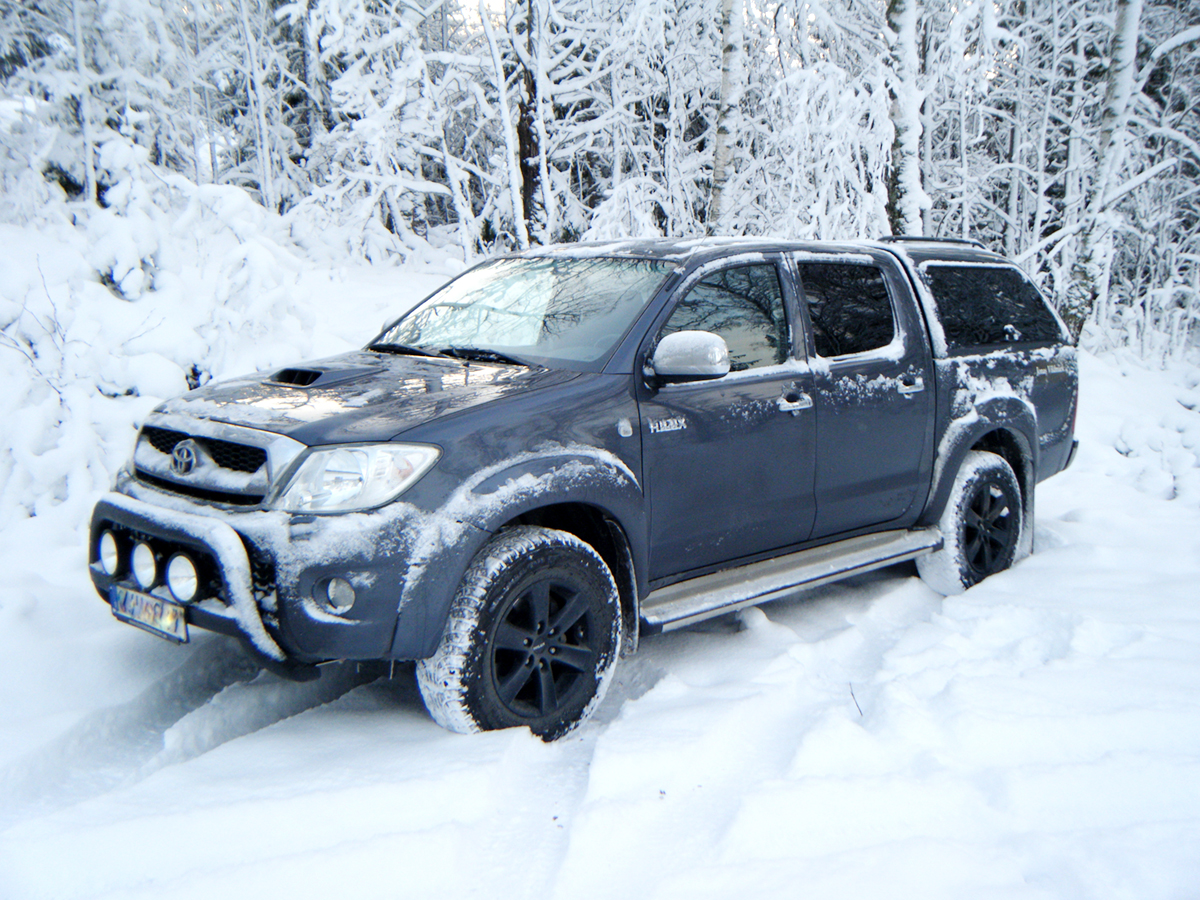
(478, 354)
(405, 349)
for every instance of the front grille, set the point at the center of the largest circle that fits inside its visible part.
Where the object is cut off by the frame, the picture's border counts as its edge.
(238, 457)
(199, 493)
(226, 454)
(162, 439)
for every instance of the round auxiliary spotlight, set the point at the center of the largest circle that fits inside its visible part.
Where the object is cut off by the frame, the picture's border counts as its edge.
(145, 568)
(182, 579)
(109, 553)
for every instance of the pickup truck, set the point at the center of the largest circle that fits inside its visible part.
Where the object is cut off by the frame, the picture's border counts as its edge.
(562, 450)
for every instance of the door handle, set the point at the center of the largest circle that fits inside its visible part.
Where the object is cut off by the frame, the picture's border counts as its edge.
(911, 384)
(794, 401)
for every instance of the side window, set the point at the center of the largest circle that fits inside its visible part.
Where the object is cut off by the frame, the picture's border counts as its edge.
(848, 306)
(744, 305)
(981, 305)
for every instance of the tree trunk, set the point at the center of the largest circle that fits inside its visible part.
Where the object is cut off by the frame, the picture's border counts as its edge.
(727, 107)
(1088, 292)
(1015, 145)
(315, 82)
(85, 107)
(511, 160)
(906, 195)
(541, 107)
(257, 97)
(528, 112)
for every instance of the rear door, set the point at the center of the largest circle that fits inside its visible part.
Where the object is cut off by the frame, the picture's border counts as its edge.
(873, 392)
(729, 462)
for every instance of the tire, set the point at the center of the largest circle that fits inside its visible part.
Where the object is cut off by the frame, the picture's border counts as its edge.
(532, 637)
(981, 525)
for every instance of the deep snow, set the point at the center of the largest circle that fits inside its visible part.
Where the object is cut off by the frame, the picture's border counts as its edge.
(1037, 736)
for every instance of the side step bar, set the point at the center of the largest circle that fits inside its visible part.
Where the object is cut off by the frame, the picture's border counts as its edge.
(697, 599)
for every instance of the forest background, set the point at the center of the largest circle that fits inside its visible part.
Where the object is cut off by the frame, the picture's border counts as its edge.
(1062, 133)
(182, 181)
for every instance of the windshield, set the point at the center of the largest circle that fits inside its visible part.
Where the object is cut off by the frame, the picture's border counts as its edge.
(561, 311)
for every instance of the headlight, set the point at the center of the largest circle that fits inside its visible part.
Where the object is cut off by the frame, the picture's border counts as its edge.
(363, 476)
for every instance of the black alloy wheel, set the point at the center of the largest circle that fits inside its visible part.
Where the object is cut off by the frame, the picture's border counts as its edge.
(982, 525)
(990, 528)
(531, 638)
(541, 651)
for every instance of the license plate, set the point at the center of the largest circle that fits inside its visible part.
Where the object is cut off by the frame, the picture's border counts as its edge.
(158, 616)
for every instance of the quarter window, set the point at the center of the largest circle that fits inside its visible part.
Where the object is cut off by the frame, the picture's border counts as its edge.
(848, 306)
(743, 305)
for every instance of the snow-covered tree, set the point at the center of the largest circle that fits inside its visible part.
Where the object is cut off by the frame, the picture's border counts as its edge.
(907, 199)
(367, 169)
(1064, 133)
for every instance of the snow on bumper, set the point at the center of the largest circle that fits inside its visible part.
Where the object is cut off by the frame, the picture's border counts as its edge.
(214, 535)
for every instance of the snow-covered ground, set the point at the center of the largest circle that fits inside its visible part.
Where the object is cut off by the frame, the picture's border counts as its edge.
(1038, 736)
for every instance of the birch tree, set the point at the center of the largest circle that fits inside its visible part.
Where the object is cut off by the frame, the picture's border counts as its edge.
(1089, 289)
(728, 102)
(907, 199)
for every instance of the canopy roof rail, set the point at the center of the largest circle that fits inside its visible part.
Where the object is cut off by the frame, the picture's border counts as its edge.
(896, 238)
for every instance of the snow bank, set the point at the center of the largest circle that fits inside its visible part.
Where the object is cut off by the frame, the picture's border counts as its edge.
(1036, 736)
(104, 312)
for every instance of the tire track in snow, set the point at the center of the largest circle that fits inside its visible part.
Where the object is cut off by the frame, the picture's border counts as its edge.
(540, 787)
(246, 707)
(217, 694)
(740, 697)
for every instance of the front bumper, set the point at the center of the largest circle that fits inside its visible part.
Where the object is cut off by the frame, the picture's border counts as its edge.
(259, 571)
(226, 602)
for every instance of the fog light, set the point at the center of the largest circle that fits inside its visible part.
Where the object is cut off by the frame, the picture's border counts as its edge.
(181, 578)
(145, 570)
(110, 554)
(334, 594)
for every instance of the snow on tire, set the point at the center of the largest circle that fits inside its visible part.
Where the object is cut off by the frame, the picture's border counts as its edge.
(532, 637)
(981, 525)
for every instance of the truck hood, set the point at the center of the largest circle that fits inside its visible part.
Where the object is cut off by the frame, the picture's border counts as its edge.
(359, 396)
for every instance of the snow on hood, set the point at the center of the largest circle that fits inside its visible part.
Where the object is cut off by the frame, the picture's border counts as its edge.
(361, 396)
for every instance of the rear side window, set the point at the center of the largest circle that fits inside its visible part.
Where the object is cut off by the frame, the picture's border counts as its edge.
(983, 305)
(744, 305)
(848, 306)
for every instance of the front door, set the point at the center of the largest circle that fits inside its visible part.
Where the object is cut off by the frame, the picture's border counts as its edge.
(729, 462)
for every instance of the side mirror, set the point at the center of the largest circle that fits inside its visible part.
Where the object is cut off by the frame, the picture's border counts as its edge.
(689, 356)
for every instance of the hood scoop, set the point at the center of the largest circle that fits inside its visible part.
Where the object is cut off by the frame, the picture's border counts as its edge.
(302, 378)
(296, 377)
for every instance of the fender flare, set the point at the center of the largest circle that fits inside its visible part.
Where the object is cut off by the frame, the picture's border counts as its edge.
(547, 476)
(1005, 424)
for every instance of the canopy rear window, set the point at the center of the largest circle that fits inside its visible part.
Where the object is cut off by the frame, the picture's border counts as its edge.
(982, 306)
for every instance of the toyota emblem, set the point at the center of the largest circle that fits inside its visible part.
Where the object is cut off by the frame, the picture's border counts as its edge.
(184, 457)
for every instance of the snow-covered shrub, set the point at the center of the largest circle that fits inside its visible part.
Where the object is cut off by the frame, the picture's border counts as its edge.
(27, 145)
(104, 311)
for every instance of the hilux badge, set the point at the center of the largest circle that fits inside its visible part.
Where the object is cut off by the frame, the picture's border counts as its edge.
(183, 458)
(674, 423)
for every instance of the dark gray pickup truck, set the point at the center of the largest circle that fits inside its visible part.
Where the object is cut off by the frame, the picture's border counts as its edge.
(565, 449)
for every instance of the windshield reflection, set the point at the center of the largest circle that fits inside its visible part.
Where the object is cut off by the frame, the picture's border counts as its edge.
(553, 310)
